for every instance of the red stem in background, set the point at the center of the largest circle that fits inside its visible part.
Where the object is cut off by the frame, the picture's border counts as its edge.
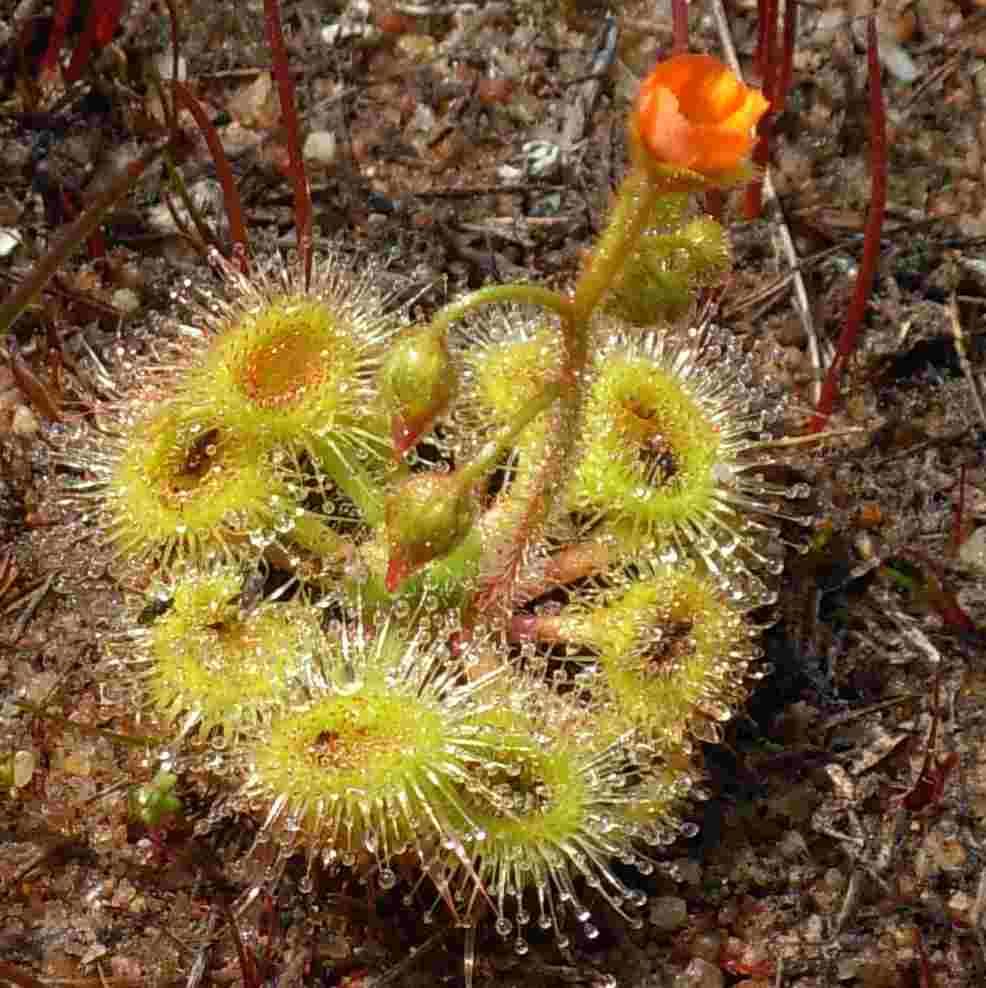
(767, 63)
(679, 21)
(289, 114)
(779, 98)
(101, 24)
(56, 37)
(766, 15)
(715, 203)
(924, 966)
(231, 197)
(871, 238)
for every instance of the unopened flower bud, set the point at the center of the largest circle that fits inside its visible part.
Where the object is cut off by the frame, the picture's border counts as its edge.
(417, 382)
(427, 516)
(710, 253)
(660, 280)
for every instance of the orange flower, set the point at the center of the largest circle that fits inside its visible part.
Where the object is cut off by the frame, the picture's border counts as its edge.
(693, 113)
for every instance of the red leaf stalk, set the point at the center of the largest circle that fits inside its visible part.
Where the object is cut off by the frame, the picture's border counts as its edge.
(679, 21)
(767, 63)
(871, 239)
(779, 97)
(231, 197)
(766, 17)
(924, 966)
(289, 114)
(59, 28)
(101, 24)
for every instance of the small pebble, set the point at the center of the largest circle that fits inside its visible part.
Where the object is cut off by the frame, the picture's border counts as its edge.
(699, 974)
(25, 423)
(972, 552)
(23, 768)
(126, 301)
(320, 148)
(668, 913)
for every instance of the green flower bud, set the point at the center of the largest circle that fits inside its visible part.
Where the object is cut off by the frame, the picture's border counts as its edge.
(417, 383)
(427, 516)
(660, 279)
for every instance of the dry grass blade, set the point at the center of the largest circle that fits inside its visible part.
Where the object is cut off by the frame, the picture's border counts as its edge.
(28, 289)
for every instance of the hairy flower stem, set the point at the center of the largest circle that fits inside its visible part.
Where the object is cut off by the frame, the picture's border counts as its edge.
(631, 215)
(491, 454)
(522, 294)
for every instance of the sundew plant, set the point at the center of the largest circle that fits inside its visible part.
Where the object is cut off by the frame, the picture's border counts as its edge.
(449, 603)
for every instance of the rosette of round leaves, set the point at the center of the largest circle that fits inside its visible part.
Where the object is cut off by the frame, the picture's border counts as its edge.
(210, 664)
(375, 762)
(549, 819)
(295, 369)
(676, 436)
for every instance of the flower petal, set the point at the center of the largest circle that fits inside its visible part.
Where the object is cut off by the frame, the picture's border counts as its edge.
(694, 113)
